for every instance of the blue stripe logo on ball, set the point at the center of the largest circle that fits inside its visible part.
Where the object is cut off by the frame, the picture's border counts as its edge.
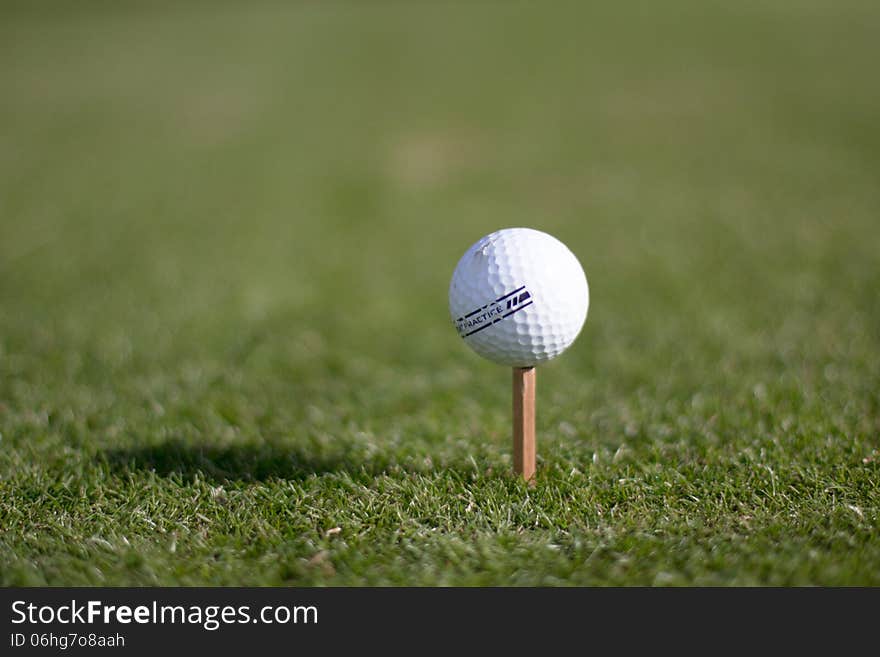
(493, 312)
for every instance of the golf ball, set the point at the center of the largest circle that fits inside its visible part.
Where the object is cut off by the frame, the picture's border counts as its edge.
(519, 297)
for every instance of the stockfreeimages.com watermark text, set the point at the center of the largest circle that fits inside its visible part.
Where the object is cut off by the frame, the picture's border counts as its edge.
(209, 617)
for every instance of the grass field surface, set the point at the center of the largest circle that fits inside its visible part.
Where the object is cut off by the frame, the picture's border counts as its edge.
(226, 238)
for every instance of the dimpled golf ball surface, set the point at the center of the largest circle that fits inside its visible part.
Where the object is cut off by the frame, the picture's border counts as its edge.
(519, 297)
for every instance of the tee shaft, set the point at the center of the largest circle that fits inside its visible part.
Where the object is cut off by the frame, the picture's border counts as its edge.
(524, 422)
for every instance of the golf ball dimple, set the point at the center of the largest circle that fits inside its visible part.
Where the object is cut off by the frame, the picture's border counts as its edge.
(519, 297)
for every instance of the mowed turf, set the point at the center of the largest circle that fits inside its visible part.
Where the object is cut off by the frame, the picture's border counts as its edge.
(226, 238)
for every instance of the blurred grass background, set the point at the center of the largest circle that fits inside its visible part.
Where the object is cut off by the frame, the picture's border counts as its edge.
(226, 236)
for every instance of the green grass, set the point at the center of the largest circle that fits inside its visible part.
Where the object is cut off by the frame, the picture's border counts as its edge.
(226, 236)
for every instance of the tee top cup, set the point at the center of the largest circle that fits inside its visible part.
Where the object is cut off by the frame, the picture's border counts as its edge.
(519, 297)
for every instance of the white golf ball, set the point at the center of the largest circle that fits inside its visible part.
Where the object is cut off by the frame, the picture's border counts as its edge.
(519, 297)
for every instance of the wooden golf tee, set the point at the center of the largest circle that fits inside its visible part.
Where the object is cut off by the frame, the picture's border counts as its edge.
(524, 422)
